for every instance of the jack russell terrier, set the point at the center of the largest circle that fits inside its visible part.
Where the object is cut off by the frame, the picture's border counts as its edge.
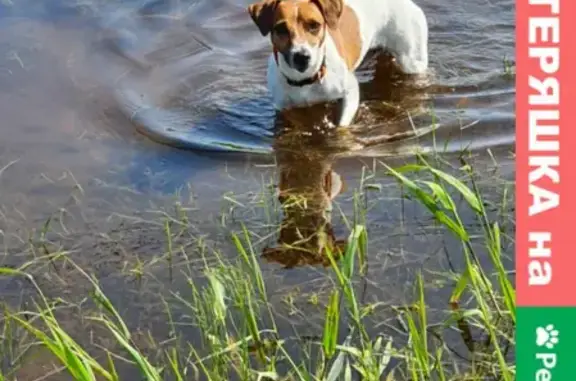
(318, 44)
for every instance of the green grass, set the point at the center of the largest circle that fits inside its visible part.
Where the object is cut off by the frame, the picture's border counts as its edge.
(239, 326)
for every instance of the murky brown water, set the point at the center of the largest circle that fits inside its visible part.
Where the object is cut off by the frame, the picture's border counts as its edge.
(94, 95)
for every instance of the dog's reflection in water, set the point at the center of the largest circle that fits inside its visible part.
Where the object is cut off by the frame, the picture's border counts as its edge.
(306, 148)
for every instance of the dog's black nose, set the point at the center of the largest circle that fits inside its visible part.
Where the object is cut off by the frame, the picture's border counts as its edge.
(301, 60)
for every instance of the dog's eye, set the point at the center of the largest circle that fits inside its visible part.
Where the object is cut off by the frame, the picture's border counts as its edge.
(313, 27)
(281, 29)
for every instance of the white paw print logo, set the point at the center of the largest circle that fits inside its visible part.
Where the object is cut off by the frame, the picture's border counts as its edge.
(547, 336)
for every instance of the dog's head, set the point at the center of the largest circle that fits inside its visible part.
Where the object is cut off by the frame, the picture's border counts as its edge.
(297, 29)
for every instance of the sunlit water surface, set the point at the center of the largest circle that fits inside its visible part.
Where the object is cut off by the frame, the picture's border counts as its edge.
(96, 95)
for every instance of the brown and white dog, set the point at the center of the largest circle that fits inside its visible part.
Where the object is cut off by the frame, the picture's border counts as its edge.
(318, 44)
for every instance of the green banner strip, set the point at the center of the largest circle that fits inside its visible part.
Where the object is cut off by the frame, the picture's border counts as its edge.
(545, 344)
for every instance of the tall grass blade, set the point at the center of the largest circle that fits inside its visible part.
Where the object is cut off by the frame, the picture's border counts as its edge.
(331, 325)
(219, 292)
(466, 192)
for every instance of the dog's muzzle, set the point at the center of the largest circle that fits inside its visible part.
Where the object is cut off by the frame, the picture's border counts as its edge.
(301, 60)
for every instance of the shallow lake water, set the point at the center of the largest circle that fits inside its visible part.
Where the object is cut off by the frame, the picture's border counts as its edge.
(113, 111)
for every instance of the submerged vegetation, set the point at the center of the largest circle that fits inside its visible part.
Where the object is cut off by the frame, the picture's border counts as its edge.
(222, 324)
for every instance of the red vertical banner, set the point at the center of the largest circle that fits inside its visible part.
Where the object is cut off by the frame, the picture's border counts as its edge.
(546, 152)
(545, 189)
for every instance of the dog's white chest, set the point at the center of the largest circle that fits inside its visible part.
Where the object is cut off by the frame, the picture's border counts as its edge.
(332, 86)
(327, 89)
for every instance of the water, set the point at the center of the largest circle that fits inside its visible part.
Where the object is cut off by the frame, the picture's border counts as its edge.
(79, 79)
(110, 108)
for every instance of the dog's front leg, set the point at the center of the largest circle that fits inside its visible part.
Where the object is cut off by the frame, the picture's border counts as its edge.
(412, 47)
(350, 102)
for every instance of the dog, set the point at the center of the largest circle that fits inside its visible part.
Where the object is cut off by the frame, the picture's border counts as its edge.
(318, 45)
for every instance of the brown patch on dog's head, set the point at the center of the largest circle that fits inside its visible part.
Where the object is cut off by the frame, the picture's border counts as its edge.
(347, 37)
(332, 10)
(263, 14)
(292, 21)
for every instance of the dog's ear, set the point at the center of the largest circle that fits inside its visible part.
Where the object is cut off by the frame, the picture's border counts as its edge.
(332, 10)
(262, 14)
